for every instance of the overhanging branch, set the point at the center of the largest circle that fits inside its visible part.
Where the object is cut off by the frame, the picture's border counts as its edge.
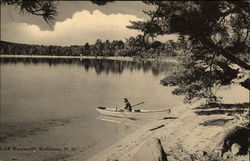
(226, 54)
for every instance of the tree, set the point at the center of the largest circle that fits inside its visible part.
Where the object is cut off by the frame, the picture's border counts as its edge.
(45, 8)
(217, 40)
(136, 46)
(98, 47)
(107, 48)
(117, 47)
(86, 49)
(156, 48)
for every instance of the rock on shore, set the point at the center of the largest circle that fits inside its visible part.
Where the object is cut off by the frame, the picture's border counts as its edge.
(151, 150)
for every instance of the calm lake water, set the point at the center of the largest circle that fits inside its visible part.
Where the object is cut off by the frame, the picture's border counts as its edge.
(50, 103)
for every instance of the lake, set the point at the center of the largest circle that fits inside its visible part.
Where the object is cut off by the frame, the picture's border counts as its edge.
(48, 106)
(50, 103)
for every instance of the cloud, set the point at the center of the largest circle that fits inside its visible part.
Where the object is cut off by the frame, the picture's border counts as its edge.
(81, 28)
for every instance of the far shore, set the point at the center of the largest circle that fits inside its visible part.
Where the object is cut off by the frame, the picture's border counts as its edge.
(125, 58)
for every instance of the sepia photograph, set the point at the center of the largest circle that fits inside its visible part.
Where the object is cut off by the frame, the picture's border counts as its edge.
(124, 80)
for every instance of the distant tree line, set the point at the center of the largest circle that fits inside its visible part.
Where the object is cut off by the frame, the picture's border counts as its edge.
(99, 48)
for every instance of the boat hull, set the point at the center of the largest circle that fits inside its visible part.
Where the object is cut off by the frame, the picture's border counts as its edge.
(127, 114)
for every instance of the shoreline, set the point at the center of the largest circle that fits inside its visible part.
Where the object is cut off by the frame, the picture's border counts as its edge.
(127, 146)
(122, 58)
(122, 147)
(182, 134)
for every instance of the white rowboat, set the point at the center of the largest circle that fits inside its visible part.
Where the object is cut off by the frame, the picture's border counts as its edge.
(125, 113)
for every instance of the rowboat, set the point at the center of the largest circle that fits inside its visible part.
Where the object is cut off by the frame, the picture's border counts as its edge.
(124, 113)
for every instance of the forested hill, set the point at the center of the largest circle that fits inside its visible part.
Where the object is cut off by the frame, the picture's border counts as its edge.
(8, 48)
(99, 48)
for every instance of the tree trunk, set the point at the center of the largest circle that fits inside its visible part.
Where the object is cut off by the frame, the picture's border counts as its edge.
(226, 54)
(246, 84)
(233, 134)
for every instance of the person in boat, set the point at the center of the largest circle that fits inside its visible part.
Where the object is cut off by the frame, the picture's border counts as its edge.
(127, 105)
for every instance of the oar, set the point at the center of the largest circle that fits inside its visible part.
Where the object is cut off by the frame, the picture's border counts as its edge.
(138, 104)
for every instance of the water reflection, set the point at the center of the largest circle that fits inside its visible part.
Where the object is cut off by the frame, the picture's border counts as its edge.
(99, 65)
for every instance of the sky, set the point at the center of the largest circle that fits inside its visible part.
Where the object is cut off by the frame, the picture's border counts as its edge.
(77, 23)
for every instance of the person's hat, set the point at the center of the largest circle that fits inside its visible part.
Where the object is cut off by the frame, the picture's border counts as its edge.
(125, 99)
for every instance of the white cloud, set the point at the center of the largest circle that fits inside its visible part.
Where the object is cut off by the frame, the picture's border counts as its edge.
(81, 28)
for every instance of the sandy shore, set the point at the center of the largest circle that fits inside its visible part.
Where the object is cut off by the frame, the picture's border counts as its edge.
(182, 133)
